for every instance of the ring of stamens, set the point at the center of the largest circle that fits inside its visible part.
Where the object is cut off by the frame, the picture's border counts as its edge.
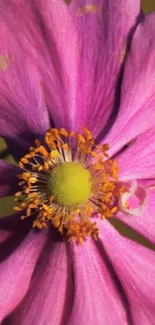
(73, 221)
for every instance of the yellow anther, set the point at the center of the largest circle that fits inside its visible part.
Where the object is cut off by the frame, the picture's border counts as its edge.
(54, 154)
(33, 180)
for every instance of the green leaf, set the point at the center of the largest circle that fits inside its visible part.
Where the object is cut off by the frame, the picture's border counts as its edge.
(68, 1)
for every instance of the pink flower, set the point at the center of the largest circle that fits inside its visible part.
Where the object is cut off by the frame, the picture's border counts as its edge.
(71, 64)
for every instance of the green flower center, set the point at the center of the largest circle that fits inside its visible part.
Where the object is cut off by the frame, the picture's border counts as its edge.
(70, 184)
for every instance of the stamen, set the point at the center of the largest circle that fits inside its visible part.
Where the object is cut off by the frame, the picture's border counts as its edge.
(67, 182)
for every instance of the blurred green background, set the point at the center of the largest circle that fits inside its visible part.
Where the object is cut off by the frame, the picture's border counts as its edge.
(6, 204)
(148, 6)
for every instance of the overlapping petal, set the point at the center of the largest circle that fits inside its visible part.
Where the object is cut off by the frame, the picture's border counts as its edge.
(135, 268)
(13, 231)
(138, 160)
(97, 299)
(144, 223)
(60, 64)
(23, 111)
(87, 46)
(49, 298)
(8, 178)
(16, 271)
(137, 107)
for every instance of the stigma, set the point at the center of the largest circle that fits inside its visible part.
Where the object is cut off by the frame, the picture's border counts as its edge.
(67, 182)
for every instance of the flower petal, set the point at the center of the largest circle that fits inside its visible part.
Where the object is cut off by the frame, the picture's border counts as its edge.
(137, 107)
(96, 297)
(135, 268)
(87, 46)
(12, 232)
(23, 112)
(138, 160)
(16, 271)
(8, 178)
(48, 300)
(144, 223)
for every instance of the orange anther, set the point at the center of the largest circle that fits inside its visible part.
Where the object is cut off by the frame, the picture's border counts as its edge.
(65, 146)
(51, 198)
(63, 132)
(71, 134)
(25, 161)
(37, 142)
(17, 194)
(80, 138)
(21, 165)
(17, 208)
(28, 211)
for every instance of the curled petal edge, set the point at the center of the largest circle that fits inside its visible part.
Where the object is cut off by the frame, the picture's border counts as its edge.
(138, 192)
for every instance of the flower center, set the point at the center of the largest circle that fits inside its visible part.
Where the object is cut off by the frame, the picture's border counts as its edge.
(66, 182)
(70, 184)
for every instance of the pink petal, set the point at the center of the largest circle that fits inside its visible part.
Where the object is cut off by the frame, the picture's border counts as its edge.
(96, 297)
(86, 45)
(137, 107)
(8, 178)
(16, 272)
(23, 111)
(138, 160)
(12, 232)
(144, 223)
(49, 298)
(147, 183)
(135, 268)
